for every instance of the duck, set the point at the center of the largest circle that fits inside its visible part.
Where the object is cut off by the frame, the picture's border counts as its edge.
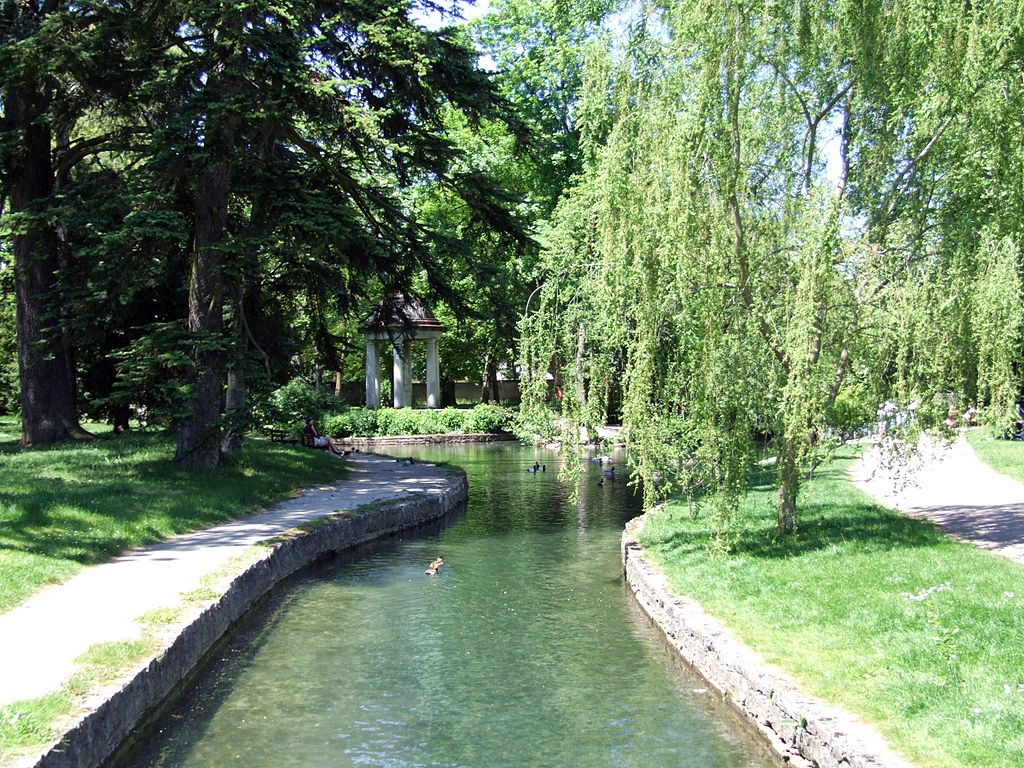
(543, 467)
(600, 483)
(610, 472)
(406, 462)
(435, 566)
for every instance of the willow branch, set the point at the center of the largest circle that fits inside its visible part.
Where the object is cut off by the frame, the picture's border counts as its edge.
(844, 358)
(739, 234)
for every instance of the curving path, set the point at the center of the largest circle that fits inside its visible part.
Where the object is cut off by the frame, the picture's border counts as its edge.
(41, 638)
(954, 488)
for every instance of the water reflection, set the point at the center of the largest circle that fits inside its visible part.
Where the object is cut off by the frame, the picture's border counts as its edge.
(526, 650)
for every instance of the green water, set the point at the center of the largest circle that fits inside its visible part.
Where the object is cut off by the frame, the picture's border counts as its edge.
(526, 650)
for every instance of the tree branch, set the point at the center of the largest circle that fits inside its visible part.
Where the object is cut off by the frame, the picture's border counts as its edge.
(844, 148)
(739, 234)
(81, 149)
(844, 358)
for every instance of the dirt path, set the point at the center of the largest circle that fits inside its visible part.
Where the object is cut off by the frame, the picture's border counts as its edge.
(955, 489)
(41, 638)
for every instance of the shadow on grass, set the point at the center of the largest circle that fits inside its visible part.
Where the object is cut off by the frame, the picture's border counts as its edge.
(89, 502)
(846, 520)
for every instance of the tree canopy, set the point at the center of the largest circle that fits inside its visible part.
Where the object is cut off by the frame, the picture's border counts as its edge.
(791, 212)
(206, 177)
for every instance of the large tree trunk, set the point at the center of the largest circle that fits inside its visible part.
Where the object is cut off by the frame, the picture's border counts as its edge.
(235, 394)
(199, 443)
(489, 391)
(448, 399)
(234, 409)
(45, 369)
(199, 438)
(789, 486)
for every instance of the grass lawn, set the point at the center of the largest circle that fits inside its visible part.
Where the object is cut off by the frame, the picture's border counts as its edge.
(73, 505)
(877, 612)
(1004, 456)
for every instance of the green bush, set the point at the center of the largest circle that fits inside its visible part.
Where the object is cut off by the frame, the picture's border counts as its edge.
(362, 422)
(536, 425)
(402, 421)
(353, 422)
(289, 406)
(488, 418)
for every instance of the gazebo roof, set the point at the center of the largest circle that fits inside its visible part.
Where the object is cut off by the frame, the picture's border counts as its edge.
(402, 312)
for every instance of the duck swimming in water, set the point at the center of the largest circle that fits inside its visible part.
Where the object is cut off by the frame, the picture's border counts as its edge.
(435, 566)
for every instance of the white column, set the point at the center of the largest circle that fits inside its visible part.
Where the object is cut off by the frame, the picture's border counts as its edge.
(372, 375)
(433, 376)
(399, 369)
(407, 374)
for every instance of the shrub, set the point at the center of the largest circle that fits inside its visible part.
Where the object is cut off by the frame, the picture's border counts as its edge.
(536, 425)
(290, 405)
(362, 422)
(352, 422)
(401, 421)
(488, 418)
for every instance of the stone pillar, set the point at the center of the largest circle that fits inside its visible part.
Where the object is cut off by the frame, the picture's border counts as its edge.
(407, 371)
(433, 376)
(399, 367)
(372, 374)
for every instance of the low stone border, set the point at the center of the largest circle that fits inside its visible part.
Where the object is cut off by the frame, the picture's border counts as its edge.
(445, 437)
(803, 730)
(115, 713)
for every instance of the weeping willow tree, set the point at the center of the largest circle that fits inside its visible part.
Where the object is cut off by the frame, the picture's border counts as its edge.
(776, 229)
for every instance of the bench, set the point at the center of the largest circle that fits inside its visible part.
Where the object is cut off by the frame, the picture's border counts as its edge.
(280, 436)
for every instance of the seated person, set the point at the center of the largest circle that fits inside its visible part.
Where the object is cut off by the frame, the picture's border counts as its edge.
(315, 439)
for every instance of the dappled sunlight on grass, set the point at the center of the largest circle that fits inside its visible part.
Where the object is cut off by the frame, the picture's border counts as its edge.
(75, 504)
(880, 613)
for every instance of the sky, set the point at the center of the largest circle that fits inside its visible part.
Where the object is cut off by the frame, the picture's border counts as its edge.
(469, 11)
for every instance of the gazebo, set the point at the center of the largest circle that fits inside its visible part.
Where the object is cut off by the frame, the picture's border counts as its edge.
(399, 320)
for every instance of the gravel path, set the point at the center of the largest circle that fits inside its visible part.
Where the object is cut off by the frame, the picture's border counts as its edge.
(41, 638)
(955, 489)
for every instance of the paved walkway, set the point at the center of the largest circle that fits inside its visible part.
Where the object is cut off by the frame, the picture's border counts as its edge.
(955, 489)
(40, 639)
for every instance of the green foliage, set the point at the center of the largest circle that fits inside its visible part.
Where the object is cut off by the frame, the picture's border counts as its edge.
(352, 422)
(317, 137)
(999, 330)
(537, 423)
(773, 234)
(362, 422)
(487, 418)
(289, 406)
(879, 613)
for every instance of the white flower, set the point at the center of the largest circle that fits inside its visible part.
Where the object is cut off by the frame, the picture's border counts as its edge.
(926, 593)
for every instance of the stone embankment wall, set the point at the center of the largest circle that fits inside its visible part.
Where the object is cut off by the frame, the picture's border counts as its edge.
(110, 721)
(804, 731)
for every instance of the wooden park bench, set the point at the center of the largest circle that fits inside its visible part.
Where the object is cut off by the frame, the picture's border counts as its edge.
(281, 436)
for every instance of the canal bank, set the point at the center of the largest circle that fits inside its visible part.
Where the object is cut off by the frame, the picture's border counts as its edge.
(526, 649)
(178, 598)
(805, 731)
